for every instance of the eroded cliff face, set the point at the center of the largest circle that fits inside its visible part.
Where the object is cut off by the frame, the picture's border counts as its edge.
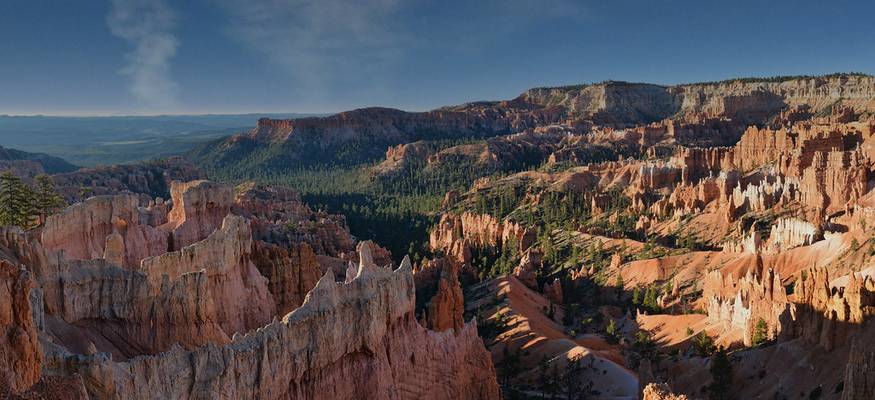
(396, 125)
(347, 341)
(817, 311)
(740, 305)
(223, 259)
(445, 310)
(456, 235)
(747, 101)
(190, 297)
(291, 272)
(20, 351)
(660, 392)
(108, 227)
(116, 318)
(198, 209)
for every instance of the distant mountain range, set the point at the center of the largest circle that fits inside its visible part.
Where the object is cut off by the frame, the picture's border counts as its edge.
(364, 135)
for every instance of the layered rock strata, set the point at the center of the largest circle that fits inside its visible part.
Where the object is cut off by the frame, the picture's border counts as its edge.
(190, 297)
(20, 351)
(816, 311)
(347, 341)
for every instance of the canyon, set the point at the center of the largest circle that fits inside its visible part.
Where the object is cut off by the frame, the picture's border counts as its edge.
(119, 293)
(612, 240)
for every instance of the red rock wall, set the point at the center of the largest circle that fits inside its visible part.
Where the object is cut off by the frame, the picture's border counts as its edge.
(347, 341)
(20, 350)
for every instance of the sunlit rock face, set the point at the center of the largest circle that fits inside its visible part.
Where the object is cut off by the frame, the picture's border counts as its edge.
(198, 209)
(141, 301)
(348, 340)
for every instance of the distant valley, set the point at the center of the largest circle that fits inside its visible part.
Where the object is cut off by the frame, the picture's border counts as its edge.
(90, 141)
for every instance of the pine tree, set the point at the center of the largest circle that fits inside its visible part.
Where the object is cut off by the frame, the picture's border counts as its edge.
(17, 206)
(721, 374)
(760, 332)
(650, 298)
(611, 331)
(7, 210)
(47, 198)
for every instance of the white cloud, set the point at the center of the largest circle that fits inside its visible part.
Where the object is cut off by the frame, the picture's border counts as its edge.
(148, 26)
(317, 39)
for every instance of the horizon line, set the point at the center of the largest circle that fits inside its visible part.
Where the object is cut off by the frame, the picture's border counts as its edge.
(100, 114)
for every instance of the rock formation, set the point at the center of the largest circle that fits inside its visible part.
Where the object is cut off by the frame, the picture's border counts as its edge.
(110, 227)
(859, 383)
(20, 350)
(741, 305)
(355, 340)
(198, 209)
(816, 311)
(446, 308)
(660, 392)
(751, 101)
(457, 234)
(223, 261)
(190, 297)
(291, 272)
(143, 301)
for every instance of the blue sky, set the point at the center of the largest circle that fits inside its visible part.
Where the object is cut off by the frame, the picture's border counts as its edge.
(231, 56)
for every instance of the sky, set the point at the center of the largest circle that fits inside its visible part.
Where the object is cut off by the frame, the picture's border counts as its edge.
(123, 57)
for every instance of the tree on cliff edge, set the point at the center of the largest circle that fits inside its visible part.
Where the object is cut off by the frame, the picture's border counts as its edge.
(16, 201)
(46, 197)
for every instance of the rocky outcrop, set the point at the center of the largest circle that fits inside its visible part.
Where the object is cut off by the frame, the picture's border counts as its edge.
(829, 315)
(445, 309)
(125, 323)
(290, 271)
(110, 227)
(750, 101)
(456, 234)
(816, 311)
(20, 351)
(121, 231)
(528, 268)
(859, 383)
(223, 259)
(278, 216)
(823, 167)
(401, 156)
(788, 233)
(347, 341)
(740, 305)
(198, 209)
(372, 251)
(655, 391)
(190, 297)
(23, 374)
